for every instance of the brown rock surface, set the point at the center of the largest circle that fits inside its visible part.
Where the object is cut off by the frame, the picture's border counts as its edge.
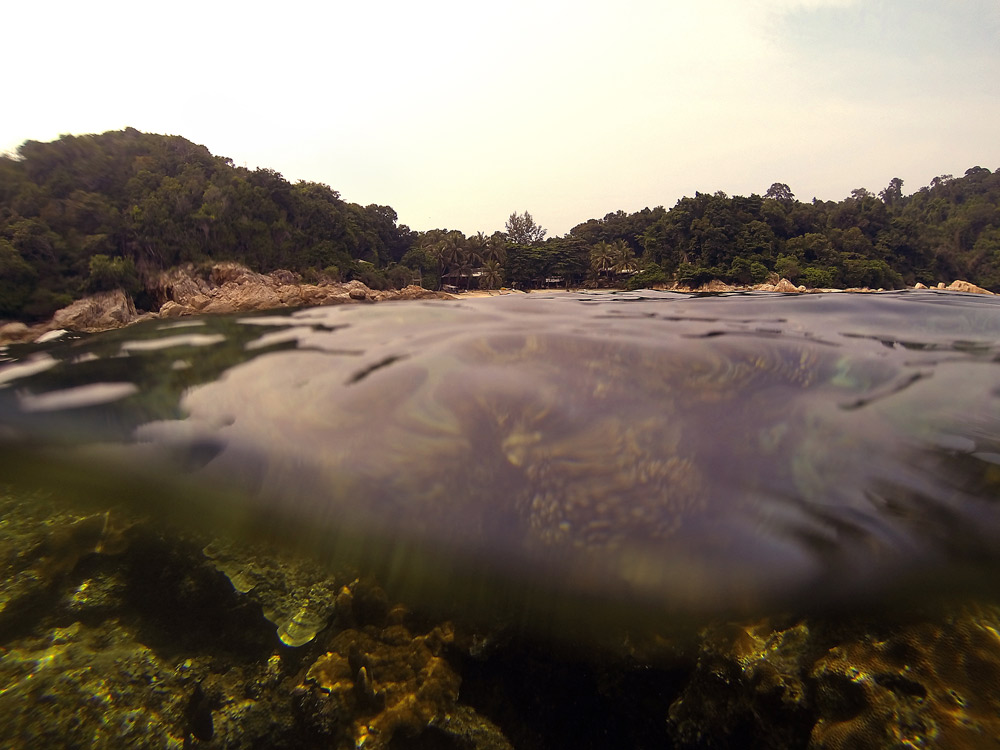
(388, 680)
(929, 681)
(965, 286)
(715, 285)
(929, 684)
(15, 332)
(98, 312)
(782, 285)
(231, 287)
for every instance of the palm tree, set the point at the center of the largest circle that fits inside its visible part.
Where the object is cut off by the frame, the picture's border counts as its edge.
(623, 258)
(492, 274)
(476, 245)
(449, 251)
(601, 258)
(496, 248)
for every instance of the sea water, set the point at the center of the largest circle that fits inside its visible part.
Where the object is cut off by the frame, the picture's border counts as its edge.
(574, 463)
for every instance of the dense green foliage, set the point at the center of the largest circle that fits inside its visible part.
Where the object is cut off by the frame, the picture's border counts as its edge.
(86, 213)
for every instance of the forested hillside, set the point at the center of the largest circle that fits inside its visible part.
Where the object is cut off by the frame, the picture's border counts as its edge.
(85, 213)
(88, 212)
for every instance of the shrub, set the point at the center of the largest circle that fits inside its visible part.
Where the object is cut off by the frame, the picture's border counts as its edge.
(651, 275)
(818, 278)
(112, 273)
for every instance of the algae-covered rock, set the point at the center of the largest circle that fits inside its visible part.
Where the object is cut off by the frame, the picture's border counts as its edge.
(297, 595)
(927, 684)
(374, 684)
(932, 681)
(113, 634)
(748, 688)
(90, 687)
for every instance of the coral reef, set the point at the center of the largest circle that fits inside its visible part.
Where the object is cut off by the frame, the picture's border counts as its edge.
(377, 682)
(115, 634)
(928, 680)
(748, 683)
(927, 684)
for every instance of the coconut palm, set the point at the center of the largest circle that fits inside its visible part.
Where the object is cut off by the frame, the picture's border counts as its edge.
(449, 251)
(601, 258)
(492, 274)
(623, 258)
(496, 248)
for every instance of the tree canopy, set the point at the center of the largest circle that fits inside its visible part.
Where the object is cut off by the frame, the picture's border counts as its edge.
(522, 230)
(85, 213)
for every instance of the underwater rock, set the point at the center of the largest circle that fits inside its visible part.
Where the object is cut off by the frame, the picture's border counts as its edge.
(374, 684)
(40, 543)
(927, 684)
(930, 682)
(147, 645)
(748, 689)
(297, 595)
(78, 686)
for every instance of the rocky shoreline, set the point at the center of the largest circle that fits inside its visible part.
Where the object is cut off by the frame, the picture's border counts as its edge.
(225, 288)
(230, 287)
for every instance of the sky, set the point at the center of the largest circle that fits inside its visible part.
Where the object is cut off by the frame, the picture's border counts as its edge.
(457, 114)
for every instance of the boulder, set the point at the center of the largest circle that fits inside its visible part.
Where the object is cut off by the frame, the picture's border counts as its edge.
(13, 333)
(919, 285)
(171, 309)
(715, 285)
(225, 288)
(964, 286)
(98, 312)
(179, 285)
(412, 292)
(784, 285)
(358, 291)
(234, 273)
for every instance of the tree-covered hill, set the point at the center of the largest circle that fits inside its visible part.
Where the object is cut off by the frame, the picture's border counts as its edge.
(84, 213)
(948, 230)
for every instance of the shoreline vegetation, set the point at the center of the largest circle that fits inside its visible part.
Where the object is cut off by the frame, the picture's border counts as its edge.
(90, 217)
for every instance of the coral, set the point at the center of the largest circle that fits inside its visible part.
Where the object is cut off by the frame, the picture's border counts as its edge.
(748, 682)
(373, 684)
(926, 679)
(927, 684)
(90, 687)
(296, 594)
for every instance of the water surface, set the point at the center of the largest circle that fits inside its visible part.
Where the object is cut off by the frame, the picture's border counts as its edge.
(532, 454)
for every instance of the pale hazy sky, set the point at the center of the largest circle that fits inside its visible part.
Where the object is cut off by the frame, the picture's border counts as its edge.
(458, 113)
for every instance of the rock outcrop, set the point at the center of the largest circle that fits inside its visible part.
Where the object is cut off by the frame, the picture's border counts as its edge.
(784, 286)
(230, 287)
(965, 286)
(98, 312)
(225, 288)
